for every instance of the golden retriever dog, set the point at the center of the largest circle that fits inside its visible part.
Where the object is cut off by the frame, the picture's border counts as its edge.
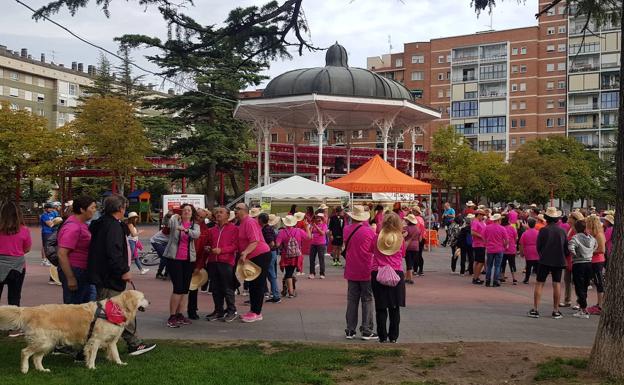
(48, 326)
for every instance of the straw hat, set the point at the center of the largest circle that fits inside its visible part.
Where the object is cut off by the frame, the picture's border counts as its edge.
(540, 218)
(299, 216)
(481, 207)
(254, 212)
(359, 213)
(323, 206)
(610, 212)
(232, 216)
(533, 205)
(610, 219)
(248, 271)
(470, 216)
(57, 221)
(496, 217)
(289, 220)
(411, 218)
(132, 214)
(388, 243)
(274, 220)
(470, 203)
(321, 215)
(480, 212)
(552, 212)
(417, 209)
(577, 215)
(54, 275)
(198, 279)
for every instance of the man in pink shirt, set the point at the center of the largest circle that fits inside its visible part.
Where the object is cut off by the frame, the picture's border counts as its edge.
(251, 245)
(358, 237)
(477, 230)
(496, 242)
(222, 244)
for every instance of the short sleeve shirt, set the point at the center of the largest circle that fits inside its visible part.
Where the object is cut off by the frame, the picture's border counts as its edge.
(75, 237)
(15, 245)
(249, 231)
(45, 229)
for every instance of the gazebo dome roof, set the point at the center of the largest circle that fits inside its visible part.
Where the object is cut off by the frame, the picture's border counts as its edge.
(337, 79)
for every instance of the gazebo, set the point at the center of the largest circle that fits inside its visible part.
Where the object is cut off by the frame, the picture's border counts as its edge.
(336, 95)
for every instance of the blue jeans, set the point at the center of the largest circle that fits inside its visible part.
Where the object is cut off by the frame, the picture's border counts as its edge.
(272, 272)
(493, 268)
(85, 292)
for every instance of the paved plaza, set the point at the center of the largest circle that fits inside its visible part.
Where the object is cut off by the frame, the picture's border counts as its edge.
(440, 308)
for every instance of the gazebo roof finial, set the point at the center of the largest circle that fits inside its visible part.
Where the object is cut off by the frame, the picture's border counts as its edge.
(336, 56)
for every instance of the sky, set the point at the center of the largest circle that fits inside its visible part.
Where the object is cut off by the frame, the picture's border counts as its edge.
(363, 27)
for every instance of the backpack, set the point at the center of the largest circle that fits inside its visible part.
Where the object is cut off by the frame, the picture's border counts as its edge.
(292, 248)
(50, 248)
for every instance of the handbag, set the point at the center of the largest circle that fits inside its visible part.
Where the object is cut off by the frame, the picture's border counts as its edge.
(387, 276)
(344, 252)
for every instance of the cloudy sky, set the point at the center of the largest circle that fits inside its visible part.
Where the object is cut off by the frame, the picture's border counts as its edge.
(362, 26)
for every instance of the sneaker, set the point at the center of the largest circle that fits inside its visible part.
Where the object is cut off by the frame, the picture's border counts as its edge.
(203, 291)
(144, 271)
(576, 307)
(525, 282)
(349, 334)
(322, 277)
(369, 336)
(229, 317)
(160, 276)
(515, 282)
(496, 284)
(487, 284)
(565, 304)
(214, 316)
(557, 314)
(477, 281)
(140, 349)
(46, 263)
(594, 310)
(193, 316)
(533, 313)
(251, 317)
(581, 314)
(274, 300)
(334, 263)
(245, 293)
(409, 281)
(51, 281)
(183, 321)
(16, 333)
(311, 276)
(290, 296)
(172, 322)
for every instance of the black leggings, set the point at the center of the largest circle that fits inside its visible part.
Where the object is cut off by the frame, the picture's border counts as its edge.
(511, 259)
(410, 257)
(419, 263)
(392, 333)
(467, 255)
(257, 286)
(582, 274)
(14, 280)
(531, 266)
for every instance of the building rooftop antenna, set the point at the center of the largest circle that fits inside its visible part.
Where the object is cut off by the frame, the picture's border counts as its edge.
(390, 44)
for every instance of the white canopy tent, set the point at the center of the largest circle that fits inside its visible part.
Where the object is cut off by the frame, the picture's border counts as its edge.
(295, 187)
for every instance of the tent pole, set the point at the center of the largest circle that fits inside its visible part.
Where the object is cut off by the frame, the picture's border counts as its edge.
(267, 137)
(295, 152)
(430, 218)
(396, 146)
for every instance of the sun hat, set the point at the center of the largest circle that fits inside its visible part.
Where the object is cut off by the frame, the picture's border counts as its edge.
(69, 203)
(609, 212)
(480, 212)
(470, 203)
(470, 216)
(610, 219)
(232, 216)
(321, 215)
(289, 220)
(496, 217)
(389, 242)
(577, 215)
(248, 271)
(299, 216)
(481, 207)
(323, 206)
(274, 220)
(254, 212)
(411, 218)
(54, 274)
(533, 205)
(552, 212)
(417, 209)
(359, 213)
(198, 279)
(132, 214)
(541, 218)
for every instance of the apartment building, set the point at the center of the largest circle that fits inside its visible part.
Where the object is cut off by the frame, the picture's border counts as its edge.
(45, 89)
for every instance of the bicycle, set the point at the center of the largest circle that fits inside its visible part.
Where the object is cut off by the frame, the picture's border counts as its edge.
(149, 257)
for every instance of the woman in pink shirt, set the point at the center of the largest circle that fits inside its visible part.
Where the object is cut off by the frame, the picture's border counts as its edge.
(388, 248)
(595, 229)
(289, 251)
(477, 229)
(15, 242)
(496, 242)
(528, 249)
(509, 255)
(318, 247)
(413, 236)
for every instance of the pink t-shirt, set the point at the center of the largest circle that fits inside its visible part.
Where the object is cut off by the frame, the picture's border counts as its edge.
(359, 258)
(565, 226)
(15, 245)
(249, 231)
(528, 241)
(284, 237)
(413, 237)
(609, 238)
(76, 237)
(479, 228)
(395, 260)
(183, 250)
(513, 217)
(512, 238)
(495, 237)
(317, 237)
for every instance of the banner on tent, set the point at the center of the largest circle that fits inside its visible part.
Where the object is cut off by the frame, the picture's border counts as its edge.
(394, 197)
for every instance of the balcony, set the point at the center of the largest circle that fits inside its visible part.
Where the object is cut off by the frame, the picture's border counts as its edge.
(610, 65)
(494, 58)
(459, 79)
(585, 107)
(584, 68)
(610, 86)
(493, 94)
(609, 126)
(468, 131)
(493, 76)
(582, 127)
(575, 49)
(465, 59)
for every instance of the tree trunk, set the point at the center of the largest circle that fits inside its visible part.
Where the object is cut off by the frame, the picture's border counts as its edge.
(606, 356)
(210, 184)
(234, 184)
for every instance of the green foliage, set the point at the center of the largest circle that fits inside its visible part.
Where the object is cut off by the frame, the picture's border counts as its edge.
(128, 87)
(162, 132)
(488, 176)
(103, 83)
(450, 157)
(559, 368)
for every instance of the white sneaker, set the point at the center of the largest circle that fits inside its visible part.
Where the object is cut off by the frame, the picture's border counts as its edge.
(581, 314)
(311, 276)
(45, 263)
(144, 271)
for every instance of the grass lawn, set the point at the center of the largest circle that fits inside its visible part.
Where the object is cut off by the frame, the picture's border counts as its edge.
(188, 363)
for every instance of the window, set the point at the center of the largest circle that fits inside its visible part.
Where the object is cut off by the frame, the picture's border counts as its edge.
(417, 75)
(40, 82)
(492, 125)
(40, 98)
(560, 122)
(550, 104)
(551, 12)
(440, 93)
(561, 84)
(28, 95)
(561, 66)
(522, 106)
(562, 10)
(470, 95)
(440, 76)
(562, 29)
(493, 71)
(522, 140)
(523, 69)
(514, 69)
(418, 59)
(514, 51)
(514, 106)
(561, 47)
(550, 31)
(290, 137)
(550, 85)
(448, 75)
(523, 51)
(561, 103)
(550, 67)
(62, 102)
(13, 92)
(522, 122)
(417, 93)
(398, 63)
(307, 135)
(514, 123)
(14, 76)
(441, 59)
(273, 138)
(522, 86)
(492, 145)
(550, 48)
(358, 134)
(550, 122)
(464, 109)
(514, 87)
(609, 100)
(448, 58)
(513, 141)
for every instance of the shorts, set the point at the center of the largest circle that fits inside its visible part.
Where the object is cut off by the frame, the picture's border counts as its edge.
(543, 271)
(479, 254)
(180, 273)
(337, 241)
(597, 276)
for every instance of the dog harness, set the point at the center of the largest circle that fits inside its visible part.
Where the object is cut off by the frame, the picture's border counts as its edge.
(110, 312)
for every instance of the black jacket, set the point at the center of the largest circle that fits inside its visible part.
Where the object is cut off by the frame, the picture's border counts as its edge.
(552, 246)
(108, 254)
(336, 226)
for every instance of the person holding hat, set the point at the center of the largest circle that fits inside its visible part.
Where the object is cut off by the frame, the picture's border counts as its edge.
(477, 230)
(200, 263)
(268, 232)
(290, 242)
(464, 242)
(413, 236)
(318, 228)
(221, 247)
(388, 248)
(336, 231)
(595, 229)
(358, 266)
(552, 247)
(251, 245)
(47, 228)
(470, 208)
(496, 242)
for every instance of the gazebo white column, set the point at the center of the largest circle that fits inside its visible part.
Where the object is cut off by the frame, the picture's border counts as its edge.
(295, 152)
(259, 157)
(263, 127)
(414, 131)
(385, 125)
(321, 121)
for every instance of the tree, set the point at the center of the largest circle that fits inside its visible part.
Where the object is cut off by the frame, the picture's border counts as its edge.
(103, 83)
(606, 356)
(488, 176)
(128, 87)
(450, 157)
(112, 134)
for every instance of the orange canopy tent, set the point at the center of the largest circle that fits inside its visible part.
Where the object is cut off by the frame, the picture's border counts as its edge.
(379, 176)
